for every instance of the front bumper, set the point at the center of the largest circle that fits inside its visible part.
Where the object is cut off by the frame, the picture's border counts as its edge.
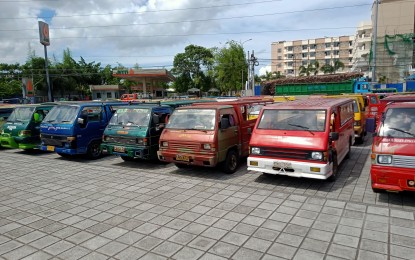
(207, 160)
(62, 150)
(290, 168)
(8, 142)
(129, 151)
(392, 178)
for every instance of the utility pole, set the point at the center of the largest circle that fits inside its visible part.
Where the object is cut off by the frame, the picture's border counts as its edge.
(252, 62)
(375, 37)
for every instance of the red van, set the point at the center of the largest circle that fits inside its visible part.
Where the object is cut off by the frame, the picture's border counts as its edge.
(303, 138)
(393, 149)
(208, 134)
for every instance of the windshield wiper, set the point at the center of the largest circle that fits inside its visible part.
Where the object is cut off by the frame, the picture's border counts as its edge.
(50, 121)
(303, 127)
(402, 131)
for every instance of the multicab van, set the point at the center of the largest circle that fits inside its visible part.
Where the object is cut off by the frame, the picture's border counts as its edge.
(134, 131)
(208, 135)
(77, 128)
(22, 128)
(304, 138)
(393, 149)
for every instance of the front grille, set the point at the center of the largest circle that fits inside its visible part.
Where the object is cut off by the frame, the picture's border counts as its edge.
(285, 153)
(186, 147)
(55, 140)
(121, 140)
(403, 161)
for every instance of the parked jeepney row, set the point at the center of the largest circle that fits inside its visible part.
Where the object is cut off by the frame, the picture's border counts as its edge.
(301, 138)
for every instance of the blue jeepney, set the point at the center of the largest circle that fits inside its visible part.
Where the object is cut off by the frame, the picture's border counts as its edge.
(77, 128)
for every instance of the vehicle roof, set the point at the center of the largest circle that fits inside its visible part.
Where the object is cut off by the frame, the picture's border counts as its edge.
(400, 98)
(146, 105)
(47, 104)
(310, 103)
(88, 103)
(213, 105)
(402, 105)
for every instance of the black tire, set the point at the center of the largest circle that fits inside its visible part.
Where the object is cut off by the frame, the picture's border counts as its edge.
(94, 150)
(333, 177)
(378, 190)
(231, 163)
(127, 158)
(361, 138)
(181, 165)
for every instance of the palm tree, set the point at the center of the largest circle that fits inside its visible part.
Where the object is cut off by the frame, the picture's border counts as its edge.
(338, 65)
(316, 67)
(310, 68)
(327, 68)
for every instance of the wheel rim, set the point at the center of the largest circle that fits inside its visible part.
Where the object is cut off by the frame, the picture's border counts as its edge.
(95, 151)
(233, 162)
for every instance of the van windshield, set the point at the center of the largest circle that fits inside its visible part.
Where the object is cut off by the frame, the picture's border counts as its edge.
(62, 115)
(131, 117)
(399, 123)
(197, 119)
(21, 114)
(297, 120)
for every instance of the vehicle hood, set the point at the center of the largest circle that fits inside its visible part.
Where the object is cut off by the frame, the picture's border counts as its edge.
(126, 131)
(57, 129)
(390, 145)
(196, 136)
(289, 139)
(13, 128)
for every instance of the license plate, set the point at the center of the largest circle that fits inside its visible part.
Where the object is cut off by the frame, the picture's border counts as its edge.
(181, 157)
(282, 165)
(119, 149)
(50, 148)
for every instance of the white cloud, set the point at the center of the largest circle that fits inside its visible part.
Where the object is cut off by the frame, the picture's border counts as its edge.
(264, 70)
(151, 32)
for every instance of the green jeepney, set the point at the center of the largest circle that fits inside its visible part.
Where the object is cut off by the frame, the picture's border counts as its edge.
(134, 131)
(22, 128)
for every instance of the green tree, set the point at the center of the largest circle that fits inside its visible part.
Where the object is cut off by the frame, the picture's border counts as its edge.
(337, 66)
(230, 67)
(311, 68)
(327, 69)
(270, 76)
(190, 68)
(10, 80)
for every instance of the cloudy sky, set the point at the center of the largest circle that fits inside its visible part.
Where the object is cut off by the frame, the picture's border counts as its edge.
(152, 32)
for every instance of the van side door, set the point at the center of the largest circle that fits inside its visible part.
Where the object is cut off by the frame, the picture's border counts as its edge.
(227, 136)
(246, 126)
(92, 128)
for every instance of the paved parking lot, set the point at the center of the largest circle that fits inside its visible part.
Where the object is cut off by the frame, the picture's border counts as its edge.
(51, 207)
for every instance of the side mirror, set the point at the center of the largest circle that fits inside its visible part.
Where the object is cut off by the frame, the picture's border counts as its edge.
(334, 136)
(81, 121)
(36, 117)
(224, 123)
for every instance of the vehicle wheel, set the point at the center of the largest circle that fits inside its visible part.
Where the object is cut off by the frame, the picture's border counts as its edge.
(335, 169)
(378, 190)
(361, 138)
(127, 158)
(349, 149)
(231, 163)
(181, 165)
(94, 151)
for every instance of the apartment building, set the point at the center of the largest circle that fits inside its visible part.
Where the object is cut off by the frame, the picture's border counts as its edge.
(395, 57)
(361, 48)
(288, 56)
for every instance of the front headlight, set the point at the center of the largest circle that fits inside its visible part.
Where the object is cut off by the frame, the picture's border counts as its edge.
(255, 150)
(25, 132)
(141, 141)
(164, 144)
(384, 159)
(206, 146)
(70, 138)
(317, 155)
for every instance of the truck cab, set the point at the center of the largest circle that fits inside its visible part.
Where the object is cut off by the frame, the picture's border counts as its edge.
(134, 131)
(393, 149)
(22, 128)
(208, 135)
(304, 138)
(77, 128)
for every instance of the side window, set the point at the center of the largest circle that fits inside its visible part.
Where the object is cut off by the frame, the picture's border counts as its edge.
(92, 114)
(230, 117)
(373, 100)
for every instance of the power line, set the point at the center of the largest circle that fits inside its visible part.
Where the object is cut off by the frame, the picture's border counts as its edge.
(143, 12)
(186, 21)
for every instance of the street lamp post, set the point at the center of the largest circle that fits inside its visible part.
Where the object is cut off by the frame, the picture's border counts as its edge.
(242, 74)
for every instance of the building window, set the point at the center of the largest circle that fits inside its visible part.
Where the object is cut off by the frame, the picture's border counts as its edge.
(350, 51)
(279, 50)
(336, 44)
(313, 46)
(290, 48)
(290, 56)
(279, 65)
(327, 61)
(279, 58)
(109, 95)
(327, 53)
(116, 95)
(289, 64)
(305, 47)
(304, 55)
(328, 44)
(304, 63)
(312, 54)
(350, 43)
(336, 52)
(98, 95)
